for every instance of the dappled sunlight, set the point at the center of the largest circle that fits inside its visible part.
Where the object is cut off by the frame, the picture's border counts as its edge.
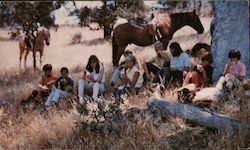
(63, 127)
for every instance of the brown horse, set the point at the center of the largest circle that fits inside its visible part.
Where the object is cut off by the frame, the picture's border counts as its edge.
(37, 46)
(165, 24)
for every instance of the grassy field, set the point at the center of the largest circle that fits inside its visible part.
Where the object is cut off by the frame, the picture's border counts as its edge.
(62, 127)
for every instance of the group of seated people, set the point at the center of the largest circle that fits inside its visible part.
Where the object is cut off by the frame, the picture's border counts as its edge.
(128, 77)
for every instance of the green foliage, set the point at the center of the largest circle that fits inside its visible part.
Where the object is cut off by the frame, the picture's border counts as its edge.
(174, 3)
(99, 119)
(130, 8)
(106, 15)
(28, 13)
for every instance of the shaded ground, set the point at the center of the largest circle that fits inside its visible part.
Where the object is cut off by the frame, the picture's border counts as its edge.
(57, 128)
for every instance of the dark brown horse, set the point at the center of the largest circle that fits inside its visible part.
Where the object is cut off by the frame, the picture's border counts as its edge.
(166, 24)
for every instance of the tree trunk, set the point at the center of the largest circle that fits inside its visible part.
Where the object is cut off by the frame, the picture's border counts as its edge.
(196, 115)
(34, 59)
(107, 31)
(231, 30)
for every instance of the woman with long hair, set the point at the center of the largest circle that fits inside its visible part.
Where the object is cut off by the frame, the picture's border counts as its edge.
(93, 79)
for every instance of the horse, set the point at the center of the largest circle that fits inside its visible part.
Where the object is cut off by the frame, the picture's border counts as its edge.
(35, 45)
(162, 25)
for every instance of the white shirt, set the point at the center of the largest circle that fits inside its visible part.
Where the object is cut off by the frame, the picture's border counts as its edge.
(180, 62)
(130, 73)
(96, 75)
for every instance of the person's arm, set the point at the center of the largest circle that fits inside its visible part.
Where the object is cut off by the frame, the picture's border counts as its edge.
(42, 85)
(242, 73)
(41, 81)
(227, 69)
(57, 81)
(186, 62)
(166, 56)
(209, 72)
(204, 74)
(84, 75)
(70, 82)
(122, 64)
(144, 66)
(172, 65)
(70, 85)
(89, 76)
(51, 82)
(99, 79)
(134, 80)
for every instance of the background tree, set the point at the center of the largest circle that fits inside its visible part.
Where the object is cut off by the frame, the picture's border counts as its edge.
(106, 15)
(28, 15)
(189, 4)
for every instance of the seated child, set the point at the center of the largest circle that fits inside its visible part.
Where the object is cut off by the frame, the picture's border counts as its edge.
(93, 79)
(63, 87)
(45, 85)
(201, 75)
(234, 66)
(133, 78)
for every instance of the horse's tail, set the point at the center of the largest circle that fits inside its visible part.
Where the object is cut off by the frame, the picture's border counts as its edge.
(114, 51)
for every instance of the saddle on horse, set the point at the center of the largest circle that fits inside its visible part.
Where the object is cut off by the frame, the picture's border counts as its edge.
(150, 24)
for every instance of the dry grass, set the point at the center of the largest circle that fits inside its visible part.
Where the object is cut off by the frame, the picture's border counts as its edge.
(62, 127)
(57, 128)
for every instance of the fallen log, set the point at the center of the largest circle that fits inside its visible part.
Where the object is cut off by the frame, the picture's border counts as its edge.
(196, 115)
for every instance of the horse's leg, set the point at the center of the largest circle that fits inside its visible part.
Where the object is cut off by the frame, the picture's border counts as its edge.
(41, 55)
(120, 52)
(25, 57)
(22, 49)
(21, 55)
(34, 59)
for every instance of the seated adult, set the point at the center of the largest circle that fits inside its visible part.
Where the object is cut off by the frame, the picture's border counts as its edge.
(201, 75)
(179, 63)
(157, 65)
(117, 72)
(133, 79)
(93, 79)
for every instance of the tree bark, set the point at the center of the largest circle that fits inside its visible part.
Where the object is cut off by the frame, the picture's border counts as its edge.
(34, 59)
(196, 115)
(107, 31)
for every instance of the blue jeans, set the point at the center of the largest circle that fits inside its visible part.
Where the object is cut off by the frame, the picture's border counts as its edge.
(55, 95)
(96, 88)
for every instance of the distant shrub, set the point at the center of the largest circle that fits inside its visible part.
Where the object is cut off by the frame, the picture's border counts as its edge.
(76, 39)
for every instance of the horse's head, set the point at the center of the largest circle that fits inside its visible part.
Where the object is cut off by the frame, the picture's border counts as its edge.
(194, 21)
(46, 36)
